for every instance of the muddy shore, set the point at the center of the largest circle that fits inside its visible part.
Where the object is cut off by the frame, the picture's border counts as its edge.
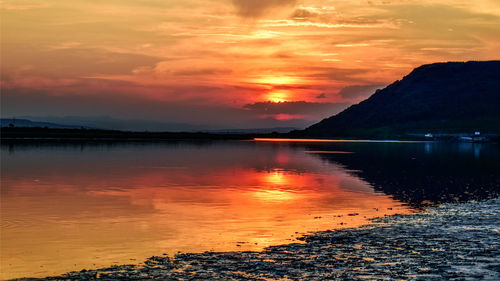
(451, 241)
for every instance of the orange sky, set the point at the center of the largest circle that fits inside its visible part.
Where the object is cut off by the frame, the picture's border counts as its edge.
(211, 62)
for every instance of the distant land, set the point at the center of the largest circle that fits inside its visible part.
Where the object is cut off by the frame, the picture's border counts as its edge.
(23, 129)
(111, 123)
(108, 123)
(439, 98)
(14, 122)
(14, 134)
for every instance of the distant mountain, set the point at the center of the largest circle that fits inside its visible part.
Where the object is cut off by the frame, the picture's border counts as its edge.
(14, 122)
(453, 97)
(109, 123)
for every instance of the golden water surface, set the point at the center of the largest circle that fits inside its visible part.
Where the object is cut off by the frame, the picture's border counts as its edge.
(67, 208)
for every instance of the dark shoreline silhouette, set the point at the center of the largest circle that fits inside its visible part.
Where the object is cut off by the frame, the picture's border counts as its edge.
(36, 133)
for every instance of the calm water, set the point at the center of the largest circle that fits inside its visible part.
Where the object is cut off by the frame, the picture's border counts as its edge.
(72, 206)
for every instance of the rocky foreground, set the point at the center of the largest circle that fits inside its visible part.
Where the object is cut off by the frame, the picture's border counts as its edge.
(453, 241)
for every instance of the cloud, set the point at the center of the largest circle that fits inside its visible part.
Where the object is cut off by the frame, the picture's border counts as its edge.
(358, 92)
(295, 111)
(312, 109)
(66, 45)
(303, 14)
(284, 116)
(336, 24)
(321, 96)
(23, 6)
(337, 73)
(69, 59)
(257, 8)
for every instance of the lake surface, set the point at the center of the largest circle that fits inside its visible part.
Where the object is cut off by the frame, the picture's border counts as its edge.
(87, 205)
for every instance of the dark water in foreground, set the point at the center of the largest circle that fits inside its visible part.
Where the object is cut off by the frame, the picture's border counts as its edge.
(72, 206)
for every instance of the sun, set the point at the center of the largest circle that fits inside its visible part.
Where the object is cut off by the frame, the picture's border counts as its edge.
(277, 97)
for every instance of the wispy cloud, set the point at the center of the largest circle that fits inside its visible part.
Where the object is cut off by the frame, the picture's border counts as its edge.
(257, 8)
(294, 23)
(25, 5)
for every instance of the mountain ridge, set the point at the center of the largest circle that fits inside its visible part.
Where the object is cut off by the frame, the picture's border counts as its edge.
(21, 122)
(439, 97)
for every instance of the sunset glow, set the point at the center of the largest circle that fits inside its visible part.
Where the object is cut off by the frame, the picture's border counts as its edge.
(276, 178)
(277, 97)
(281, 81)
(163, 60)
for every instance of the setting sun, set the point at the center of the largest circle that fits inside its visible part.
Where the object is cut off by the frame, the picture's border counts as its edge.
(277, 97)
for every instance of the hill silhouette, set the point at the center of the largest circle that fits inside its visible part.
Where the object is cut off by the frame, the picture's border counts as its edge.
(453, 97)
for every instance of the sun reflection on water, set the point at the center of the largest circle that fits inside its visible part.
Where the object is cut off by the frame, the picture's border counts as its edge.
(275, 195)
(78, 217)
(275, 177)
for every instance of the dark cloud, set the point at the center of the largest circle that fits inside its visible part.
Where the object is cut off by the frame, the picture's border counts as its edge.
(312, 109)
(283, 55)
(337, 74)
(358, 92)
(257, 8)
(295, 87)
(302, 14)
(321, 96)
(205, 71)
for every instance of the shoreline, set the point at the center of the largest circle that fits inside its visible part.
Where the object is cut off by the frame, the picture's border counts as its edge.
(444, 242)
(26, 134)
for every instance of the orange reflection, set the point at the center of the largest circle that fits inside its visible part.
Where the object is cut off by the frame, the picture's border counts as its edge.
(329, 140)
(85, 217)
(275, 187)
(276, 177)
(275, 195)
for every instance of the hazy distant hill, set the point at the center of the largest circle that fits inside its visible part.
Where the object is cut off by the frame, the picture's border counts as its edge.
(454, 97)
(109, 123)
(7, 122)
